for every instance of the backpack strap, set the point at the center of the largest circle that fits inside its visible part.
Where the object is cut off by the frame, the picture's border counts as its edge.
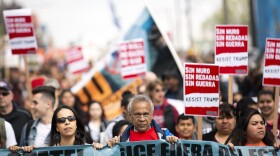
(28, 127)
(3, 133)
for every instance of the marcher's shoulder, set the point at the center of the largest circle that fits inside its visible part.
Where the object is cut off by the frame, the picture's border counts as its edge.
(23, 112)
(209, 136)
(167, 132)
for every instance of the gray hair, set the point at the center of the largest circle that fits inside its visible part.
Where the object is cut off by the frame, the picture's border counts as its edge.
(137, 99)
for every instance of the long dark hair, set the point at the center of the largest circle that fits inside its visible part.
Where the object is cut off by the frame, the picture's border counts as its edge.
(239, 135)
(80, 132)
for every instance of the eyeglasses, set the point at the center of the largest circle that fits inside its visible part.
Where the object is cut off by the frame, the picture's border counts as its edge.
(4, 93)
(139, 115)
(63, 119)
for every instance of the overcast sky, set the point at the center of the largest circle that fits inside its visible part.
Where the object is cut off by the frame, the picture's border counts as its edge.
(91, 20)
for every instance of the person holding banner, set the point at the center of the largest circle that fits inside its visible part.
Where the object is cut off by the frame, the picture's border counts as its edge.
(225, 124)
(67, 129)
(37, 132)
(250, 130)
(142, 126)
(266, 104)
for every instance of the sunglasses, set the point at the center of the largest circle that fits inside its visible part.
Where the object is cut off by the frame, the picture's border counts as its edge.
(63, 119)
(4, 93)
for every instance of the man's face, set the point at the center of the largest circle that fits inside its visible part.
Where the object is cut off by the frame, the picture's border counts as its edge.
(185, 128)
(141, 116)
(39, 105)
(6, 98)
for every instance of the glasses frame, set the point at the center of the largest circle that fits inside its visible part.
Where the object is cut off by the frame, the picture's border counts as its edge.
(62, 120)
(4, 93)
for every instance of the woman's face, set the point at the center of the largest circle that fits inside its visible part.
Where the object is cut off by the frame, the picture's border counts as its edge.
(68, 99)
(66, 123)
(255, 129)
(95, 111)
(158, 94)
(225, 125)
(266, 103)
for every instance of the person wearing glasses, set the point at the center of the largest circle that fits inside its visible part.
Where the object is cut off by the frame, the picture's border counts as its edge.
(266, 105)
(164, 113)
(37, 132)
(10, 111)
(142, 127)
(250, 130)
(67, 129)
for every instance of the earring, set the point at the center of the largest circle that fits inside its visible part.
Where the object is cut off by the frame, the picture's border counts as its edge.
(77, 134)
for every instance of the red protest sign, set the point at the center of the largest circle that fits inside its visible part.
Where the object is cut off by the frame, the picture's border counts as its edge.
(37, 81)
(132, 56)
(201, 89)
(271, 70)
(232, 49)
(21, 31)
(75, 60)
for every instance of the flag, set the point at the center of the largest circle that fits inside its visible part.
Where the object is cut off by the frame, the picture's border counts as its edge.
(104, 82)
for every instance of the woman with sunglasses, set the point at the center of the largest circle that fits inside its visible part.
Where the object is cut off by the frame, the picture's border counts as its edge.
(67, 129)
(250, 130)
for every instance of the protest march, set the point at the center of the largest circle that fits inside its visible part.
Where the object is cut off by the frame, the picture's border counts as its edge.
(169, 83)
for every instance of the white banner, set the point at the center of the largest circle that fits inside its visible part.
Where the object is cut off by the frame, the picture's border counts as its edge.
(232, 59)
(202, 99)
(23, 42)
(271, 72)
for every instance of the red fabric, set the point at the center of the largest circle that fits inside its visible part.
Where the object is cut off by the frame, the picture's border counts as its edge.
(39, 81)
(158, 115)
(269, 126)
(142, 136)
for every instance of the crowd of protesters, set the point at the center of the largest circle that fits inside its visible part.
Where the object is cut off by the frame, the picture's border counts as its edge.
(54, 117)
